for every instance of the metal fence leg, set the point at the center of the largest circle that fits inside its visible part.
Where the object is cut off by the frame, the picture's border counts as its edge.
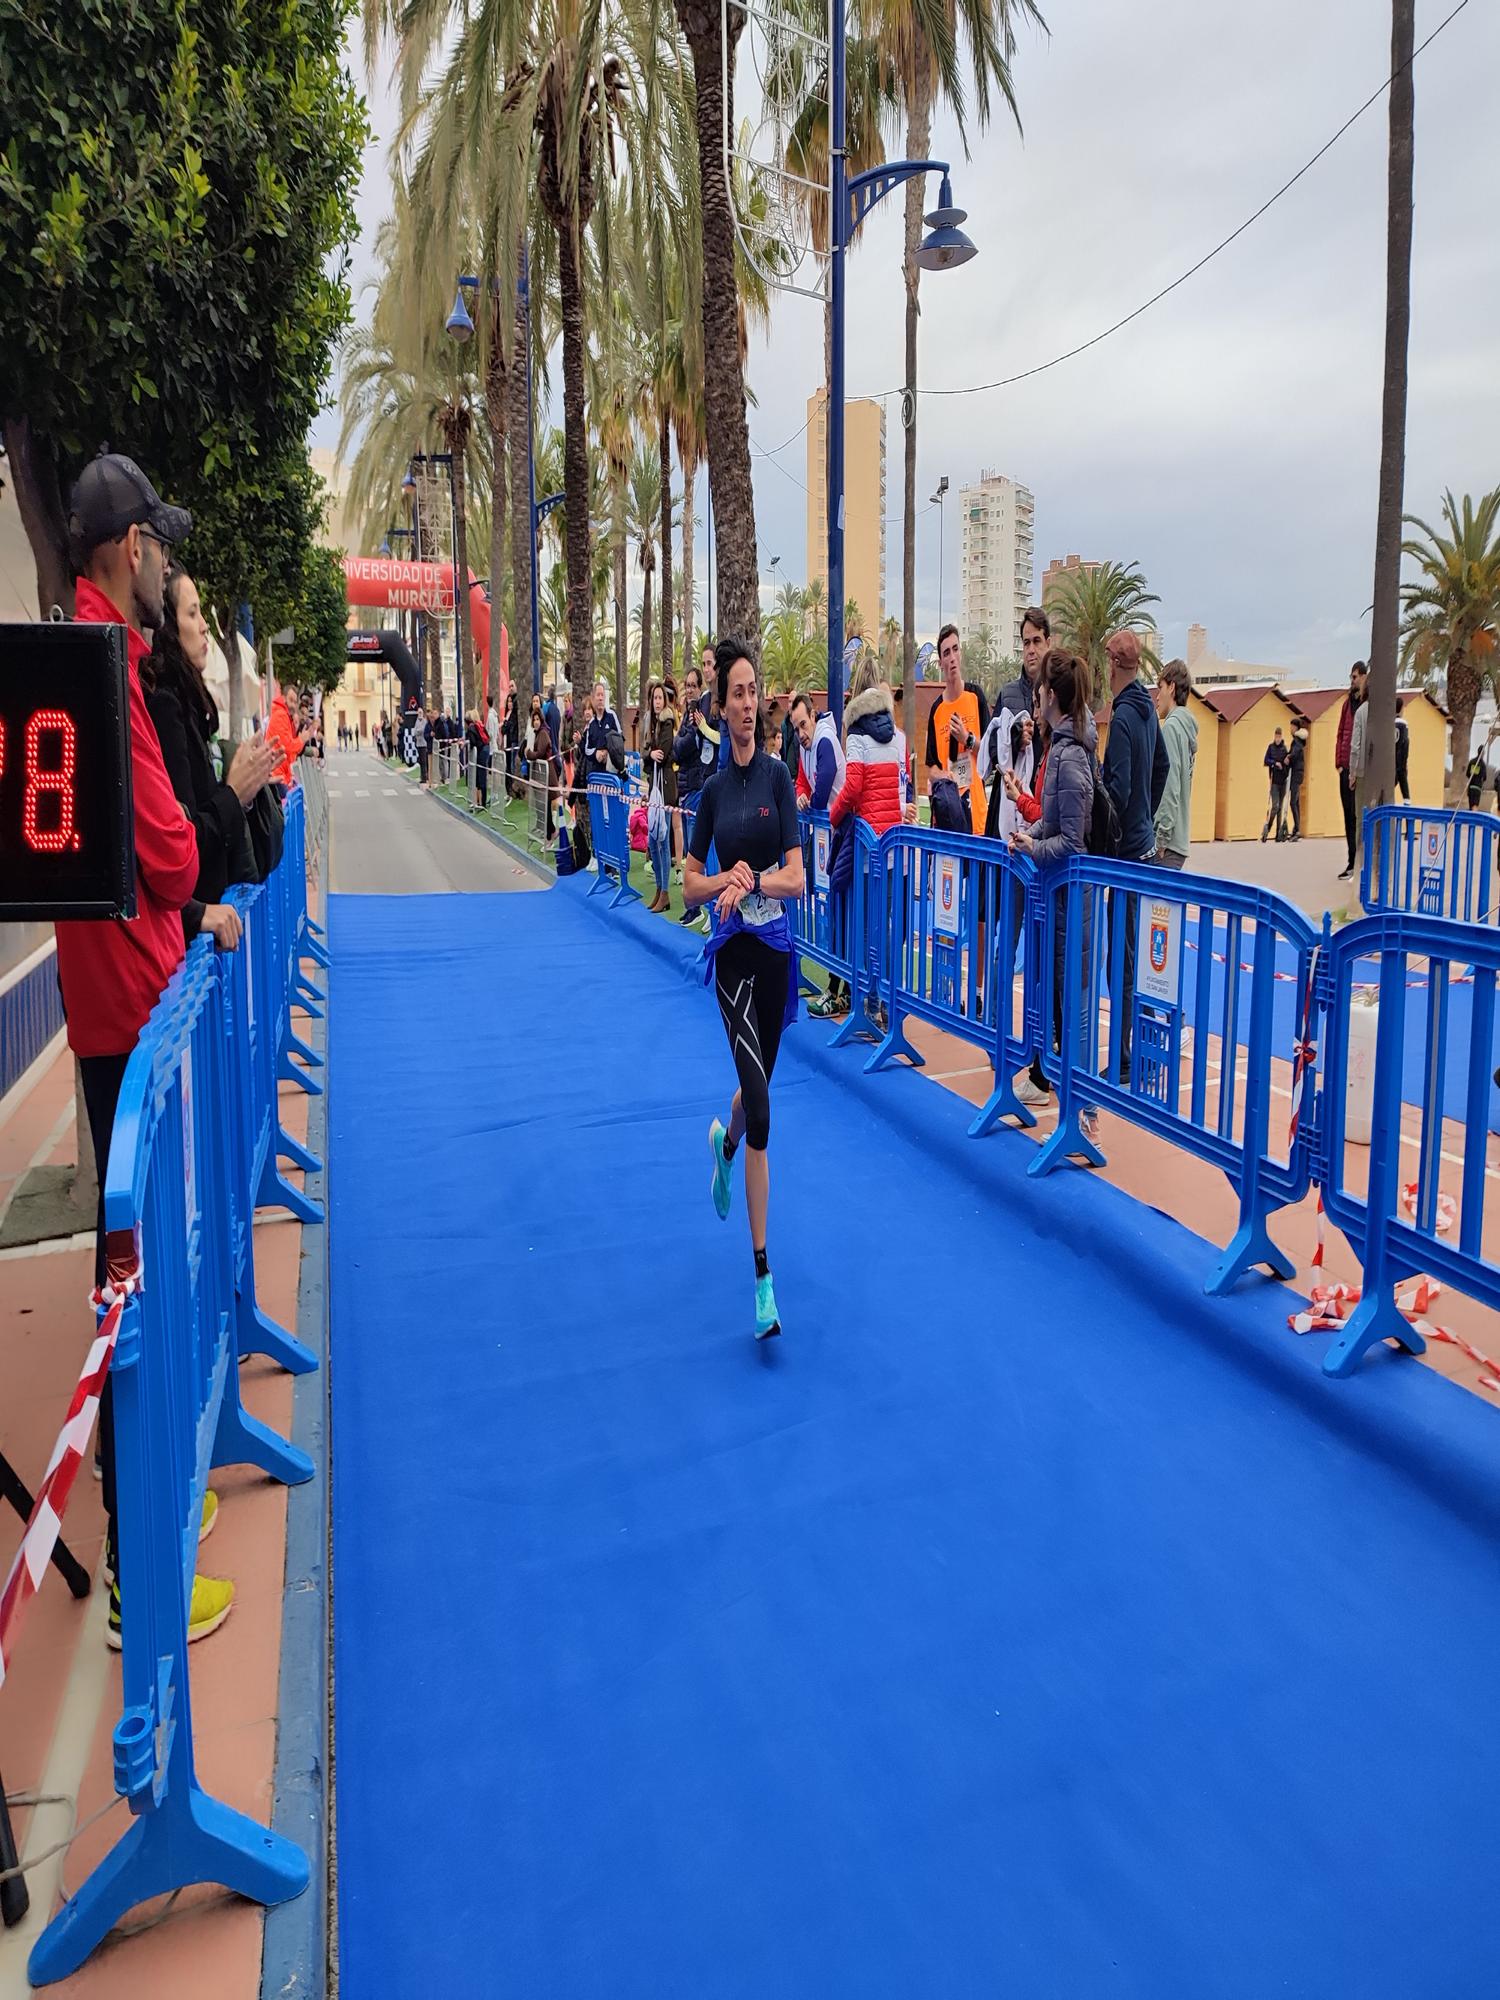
(15, 1897)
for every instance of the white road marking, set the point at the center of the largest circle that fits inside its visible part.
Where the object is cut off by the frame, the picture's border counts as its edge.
(391, 791)
(363, 793)
(334, 792)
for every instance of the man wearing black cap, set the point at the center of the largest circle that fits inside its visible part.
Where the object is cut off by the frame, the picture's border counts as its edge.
(113, 974)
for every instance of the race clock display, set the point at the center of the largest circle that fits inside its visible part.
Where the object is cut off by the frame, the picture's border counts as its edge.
(67, 846)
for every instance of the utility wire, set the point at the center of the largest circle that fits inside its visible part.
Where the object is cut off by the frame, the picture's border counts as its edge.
(1006, 381)
(1041, 368)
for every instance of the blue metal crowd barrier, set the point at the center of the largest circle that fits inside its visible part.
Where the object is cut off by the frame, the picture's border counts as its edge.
(1443, 969)
(609, 830)
(197, 1106)
(952, 910)
(1429, 859)
(1190, 966)
(31, 1014)
(823, 921)
(1208, 984)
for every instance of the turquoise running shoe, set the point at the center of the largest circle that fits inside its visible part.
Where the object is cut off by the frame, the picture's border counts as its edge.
(766, 1321)
(723, 1170)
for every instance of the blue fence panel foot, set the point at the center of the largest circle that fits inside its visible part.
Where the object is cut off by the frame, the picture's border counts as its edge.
(288, 1148)
(257, 1333)
(288, 1072)
(294, 1047)
(187, 1838)
(305, 1003)
(856, 1026)
(1249, 1246)
(240, 1439)
(892, 1044)
(303, 986)
(1002, 1102)
(276, 1191)
(1066, 1143)
(1375, 1318)
(626, 893)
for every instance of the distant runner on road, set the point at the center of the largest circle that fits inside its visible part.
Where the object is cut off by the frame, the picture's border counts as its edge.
(748, 815)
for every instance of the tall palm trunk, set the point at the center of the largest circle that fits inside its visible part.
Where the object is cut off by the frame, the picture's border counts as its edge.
(648, 569)
(731, 489)
(1463, 688)
(39, 501)
(664, 447)
(456, 436)
(1380, 776)
(496, 404)
(521, 531)
(689, 482)
(918, 140)
(619, 559)
(575, 471)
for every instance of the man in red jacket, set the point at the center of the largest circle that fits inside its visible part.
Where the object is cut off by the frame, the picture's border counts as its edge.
(113, 974)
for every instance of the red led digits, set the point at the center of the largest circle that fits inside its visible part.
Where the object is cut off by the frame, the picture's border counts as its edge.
(59, 782)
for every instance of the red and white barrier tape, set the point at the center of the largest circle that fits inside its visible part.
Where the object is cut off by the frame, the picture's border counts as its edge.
(45, 1525)
(1447, 1207)
(1332, 1305)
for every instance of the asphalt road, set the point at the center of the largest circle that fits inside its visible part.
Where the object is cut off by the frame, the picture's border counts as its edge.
(389, 839)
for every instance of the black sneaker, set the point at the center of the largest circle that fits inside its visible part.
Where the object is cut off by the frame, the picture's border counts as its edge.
(1346, 874)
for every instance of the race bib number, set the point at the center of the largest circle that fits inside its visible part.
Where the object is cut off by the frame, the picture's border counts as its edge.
(757, 911)
(962, 770)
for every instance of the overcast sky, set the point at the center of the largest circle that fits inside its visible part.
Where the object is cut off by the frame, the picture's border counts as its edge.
(1228, 441)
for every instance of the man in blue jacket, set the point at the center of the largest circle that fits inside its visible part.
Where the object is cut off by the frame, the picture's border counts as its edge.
(1135, 776)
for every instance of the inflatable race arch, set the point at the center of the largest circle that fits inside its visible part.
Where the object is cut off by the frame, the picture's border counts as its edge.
(389, 583)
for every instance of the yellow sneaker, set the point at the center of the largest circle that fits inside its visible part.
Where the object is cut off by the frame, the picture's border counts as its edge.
(210, 1514)
(212, 1600)
(213, 1597)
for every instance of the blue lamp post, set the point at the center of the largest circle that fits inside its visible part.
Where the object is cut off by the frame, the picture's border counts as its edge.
(944, 248)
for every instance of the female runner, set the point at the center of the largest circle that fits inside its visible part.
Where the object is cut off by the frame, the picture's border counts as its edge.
(748, 815)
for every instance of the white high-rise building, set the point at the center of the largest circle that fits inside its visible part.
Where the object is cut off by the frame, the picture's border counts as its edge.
(997, 560)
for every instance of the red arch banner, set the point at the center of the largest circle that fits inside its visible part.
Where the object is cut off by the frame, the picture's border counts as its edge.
(388, 583)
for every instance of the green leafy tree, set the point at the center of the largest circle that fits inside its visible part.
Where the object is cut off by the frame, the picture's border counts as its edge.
(790, 655)
(1087, 604)
(1450, 631)
(317, 655)
(176, 198)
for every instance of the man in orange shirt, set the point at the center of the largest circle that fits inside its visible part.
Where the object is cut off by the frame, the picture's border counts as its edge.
(954, 729)
(281, 733)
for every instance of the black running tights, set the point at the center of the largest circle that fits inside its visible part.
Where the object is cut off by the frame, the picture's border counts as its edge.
(750, 978)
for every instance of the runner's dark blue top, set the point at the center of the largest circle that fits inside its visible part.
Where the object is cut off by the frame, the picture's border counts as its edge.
(748, 812)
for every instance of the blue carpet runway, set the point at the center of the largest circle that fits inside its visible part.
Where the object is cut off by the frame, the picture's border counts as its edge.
(1021, 1624)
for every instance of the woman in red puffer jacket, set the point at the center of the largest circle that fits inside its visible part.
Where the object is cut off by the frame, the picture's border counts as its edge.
(872, 785)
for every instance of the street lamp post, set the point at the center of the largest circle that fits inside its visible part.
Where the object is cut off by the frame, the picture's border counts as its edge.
(446, 458)
(937, 501)
(402, 535)
(540, 510)
(944, 248)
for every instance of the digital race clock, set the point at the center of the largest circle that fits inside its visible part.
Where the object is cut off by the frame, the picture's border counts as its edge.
(67, 826)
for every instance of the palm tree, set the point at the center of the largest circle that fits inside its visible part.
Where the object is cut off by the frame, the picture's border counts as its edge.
(870, 103)
(1087, 604)
(644, 526)
(1381, 784)
(1451, 629)
(730, 484)
(922, 38)
(790, 655)
(404, 382)
(791, 597)
(814, 598)
(854, 623)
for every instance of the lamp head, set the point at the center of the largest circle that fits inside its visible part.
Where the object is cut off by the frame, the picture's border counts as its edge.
(459, 324)
(944, 249)
(409, 483)
(385, 546)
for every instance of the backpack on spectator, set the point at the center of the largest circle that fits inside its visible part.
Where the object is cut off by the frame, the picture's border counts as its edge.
(1104, 821)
